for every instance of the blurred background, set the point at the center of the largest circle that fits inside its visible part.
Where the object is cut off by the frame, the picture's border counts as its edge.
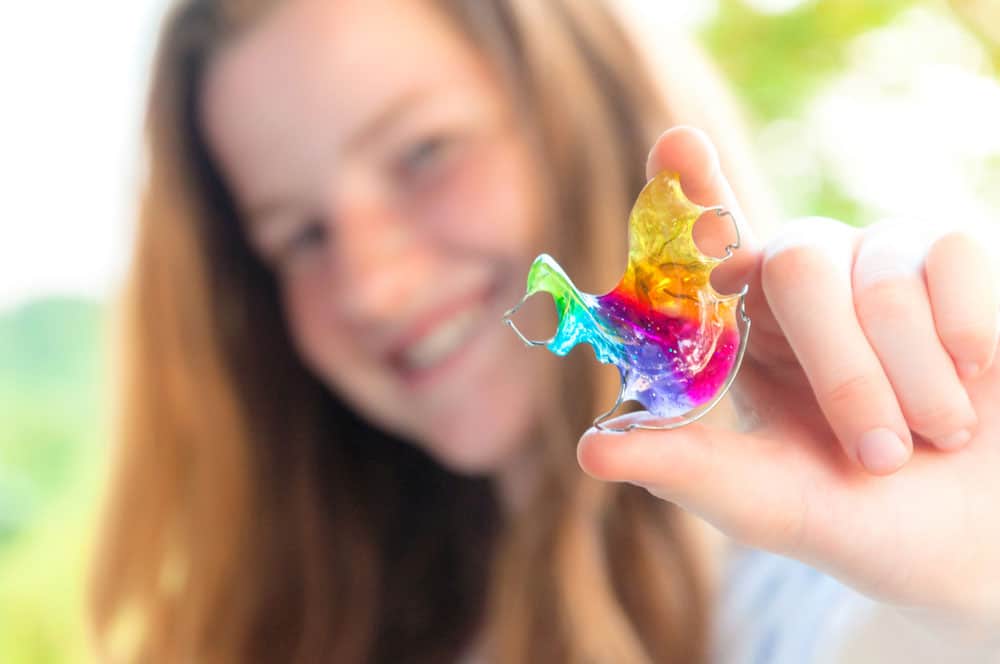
(859, 110)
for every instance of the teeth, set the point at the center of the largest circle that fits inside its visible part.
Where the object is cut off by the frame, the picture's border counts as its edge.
(447, 337)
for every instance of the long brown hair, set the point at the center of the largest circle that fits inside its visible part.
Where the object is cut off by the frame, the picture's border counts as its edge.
(254, 517)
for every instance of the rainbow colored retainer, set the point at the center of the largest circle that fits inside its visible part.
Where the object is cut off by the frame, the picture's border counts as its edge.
(676, 341)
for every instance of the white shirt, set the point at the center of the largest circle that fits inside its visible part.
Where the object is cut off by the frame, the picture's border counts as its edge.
(775, 610)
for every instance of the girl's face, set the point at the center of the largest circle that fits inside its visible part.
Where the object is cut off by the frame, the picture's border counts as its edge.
(380, 172)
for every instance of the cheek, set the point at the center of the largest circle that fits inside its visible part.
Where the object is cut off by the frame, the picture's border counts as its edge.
(493, 203)
(322, 344)
(333, 353)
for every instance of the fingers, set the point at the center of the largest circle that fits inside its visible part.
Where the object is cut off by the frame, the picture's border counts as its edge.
(884, 339)
(964, 301)
(892, 304)
(690, 153)
(806, 279)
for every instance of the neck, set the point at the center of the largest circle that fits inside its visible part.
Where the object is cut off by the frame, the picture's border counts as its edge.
(517, 480)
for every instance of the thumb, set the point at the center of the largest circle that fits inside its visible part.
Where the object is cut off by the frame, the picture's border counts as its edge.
(748, 485)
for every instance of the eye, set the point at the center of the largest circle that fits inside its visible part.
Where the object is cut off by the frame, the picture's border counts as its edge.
(423, 158)
(306, 239)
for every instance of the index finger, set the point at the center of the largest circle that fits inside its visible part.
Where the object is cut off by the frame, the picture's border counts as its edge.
(690, 153)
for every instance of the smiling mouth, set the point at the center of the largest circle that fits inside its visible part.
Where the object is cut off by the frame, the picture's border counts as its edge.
(444, 342)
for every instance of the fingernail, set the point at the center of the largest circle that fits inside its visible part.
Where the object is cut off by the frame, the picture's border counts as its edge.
(968, 370)
(881, 451)
(955, 440)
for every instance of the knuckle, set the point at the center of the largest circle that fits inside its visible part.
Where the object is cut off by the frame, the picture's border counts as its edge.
(808, 247)
(890, 251)
(936, 418)
(850, 390)
(954, 241)
(890, 299)
(967, 337)
(791, 266)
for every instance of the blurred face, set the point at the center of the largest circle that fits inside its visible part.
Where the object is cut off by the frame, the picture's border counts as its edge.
(381, 174)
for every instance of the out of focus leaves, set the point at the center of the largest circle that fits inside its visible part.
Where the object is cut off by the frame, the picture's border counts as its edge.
(51, 391)
(778, 62)
(983, 18)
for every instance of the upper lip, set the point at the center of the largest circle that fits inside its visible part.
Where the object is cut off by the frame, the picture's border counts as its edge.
(428, 321)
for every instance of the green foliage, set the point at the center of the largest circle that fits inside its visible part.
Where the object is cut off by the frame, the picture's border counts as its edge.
(777, 63)
(51, 392)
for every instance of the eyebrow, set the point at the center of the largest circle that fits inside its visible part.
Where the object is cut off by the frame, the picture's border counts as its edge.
(368, 131)
(389, 116)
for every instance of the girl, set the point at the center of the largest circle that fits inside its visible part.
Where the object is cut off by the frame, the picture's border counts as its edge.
(333, 451)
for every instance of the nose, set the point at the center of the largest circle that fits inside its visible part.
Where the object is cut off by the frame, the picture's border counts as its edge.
(383, 265)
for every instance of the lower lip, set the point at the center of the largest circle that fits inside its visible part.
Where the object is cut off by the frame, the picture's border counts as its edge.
(423, 378)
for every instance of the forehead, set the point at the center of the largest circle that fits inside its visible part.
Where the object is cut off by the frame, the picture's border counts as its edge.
(297, 86)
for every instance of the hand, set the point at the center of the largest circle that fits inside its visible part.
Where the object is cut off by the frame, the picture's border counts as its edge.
(869, 405)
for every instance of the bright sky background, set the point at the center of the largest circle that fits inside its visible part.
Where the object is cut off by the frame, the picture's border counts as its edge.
(73, 76)
(910, 129)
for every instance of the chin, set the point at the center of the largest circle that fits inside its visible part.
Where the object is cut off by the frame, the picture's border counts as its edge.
(469, 448)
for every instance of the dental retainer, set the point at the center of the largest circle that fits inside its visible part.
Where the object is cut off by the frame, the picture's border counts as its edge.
(677, 342)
